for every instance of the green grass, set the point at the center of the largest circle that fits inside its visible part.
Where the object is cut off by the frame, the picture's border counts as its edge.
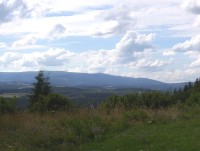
(83, 130)
(164, 130)
(171, 136)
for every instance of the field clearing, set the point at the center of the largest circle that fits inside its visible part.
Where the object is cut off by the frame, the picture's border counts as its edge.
(88, 130)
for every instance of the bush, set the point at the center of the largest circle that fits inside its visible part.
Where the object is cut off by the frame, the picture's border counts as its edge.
(51, 102)
(149, 99)
(7, 105)
(135, 115)
(40, 105)
(57, 102)
(194, 99)
(156, 100)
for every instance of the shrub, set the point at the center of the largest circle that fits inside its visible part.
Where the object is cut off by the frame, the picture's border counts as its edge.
(40, 105)
(149, 99)
(51, 102)
(7, 105)
(194, 99)
(55, 102)
(135, 115)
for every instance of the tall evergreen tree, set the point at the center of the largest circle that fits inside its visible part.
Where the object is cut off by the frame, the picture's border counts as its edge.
(40, 88)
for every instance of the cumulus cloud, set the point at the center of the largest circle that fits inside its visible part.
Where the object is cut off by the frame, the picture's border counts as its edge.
(195, 63)
(55, 57)
(49, 58)
(105, 61)
(9, 57)
(52, 57)
(133, 41)
(192, 54)
(11, 9)
(131, 47)
(30, 40)
(149, 65)
(99, 61)
(131, 44)
(190, 45)
(26, 41)
(195, 57)
(97, 18)
(192, 6)
(115, 21)
(175, 75)
(57, 32)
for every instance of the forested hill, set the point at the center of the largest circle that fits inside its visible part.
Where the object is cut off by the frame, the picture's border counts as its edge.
(69, 79)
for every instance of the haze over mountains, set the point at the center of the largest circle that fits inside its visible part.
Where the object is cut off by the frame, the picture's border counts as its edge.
(69, 79)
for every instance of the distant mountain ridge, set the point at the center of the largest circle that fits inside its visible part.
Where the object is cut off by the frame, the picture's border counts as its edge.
(70, 79)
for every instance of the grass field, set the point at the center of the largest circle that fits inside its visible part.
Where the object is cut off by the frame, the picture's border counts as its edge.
(172, 136)
(172, 129)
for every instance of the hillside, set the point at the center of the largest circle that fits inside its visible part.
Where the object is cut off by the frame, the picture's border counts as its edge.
(69, 79)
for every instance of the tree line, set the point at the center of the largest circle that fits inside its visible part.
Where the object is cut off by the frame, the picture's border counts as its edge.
(188, 95)
(43, 99)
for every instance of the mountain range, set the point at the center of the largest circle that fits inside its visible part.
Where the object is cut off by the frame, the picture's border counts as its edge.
(70, 79)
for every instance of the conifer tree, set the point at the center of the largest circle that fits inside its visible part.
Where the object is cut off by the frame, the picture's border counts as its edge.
(40, 88)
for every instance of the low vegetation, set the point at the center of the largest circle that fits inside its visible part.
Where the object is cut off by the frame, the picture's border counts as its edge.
(147, 121)
(174, 128)
(7, 105)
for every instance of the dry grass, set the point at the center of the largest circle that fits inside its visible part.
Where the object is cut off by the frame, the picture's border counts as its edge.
(62, 131)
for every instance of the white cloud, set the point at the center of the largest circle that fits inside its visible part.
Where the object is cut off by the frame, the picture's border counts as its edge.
(114, 21)
(76, 6)
(168, 53)
(149, 64)
(99, 18)
(197, 21)
(53, 57)
(17, 61)
(99, 61)
(192, 54)
(26, 41)
(195, 57)
(132, 44)
(12, 9)
(135, 42)
(175, 75)
(132, 47)
(9, 57)
(57, 32)
(95, 60)
(190, 45)
(196, 63)
(192, 6)
(3, 45)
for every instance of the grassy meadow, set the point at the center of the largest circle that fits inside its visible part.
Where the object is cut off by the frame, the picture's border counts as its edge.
(171, 129)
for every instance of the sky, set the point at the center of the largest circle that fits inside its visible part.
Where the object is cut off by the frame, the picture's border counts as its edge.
(156, 39)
